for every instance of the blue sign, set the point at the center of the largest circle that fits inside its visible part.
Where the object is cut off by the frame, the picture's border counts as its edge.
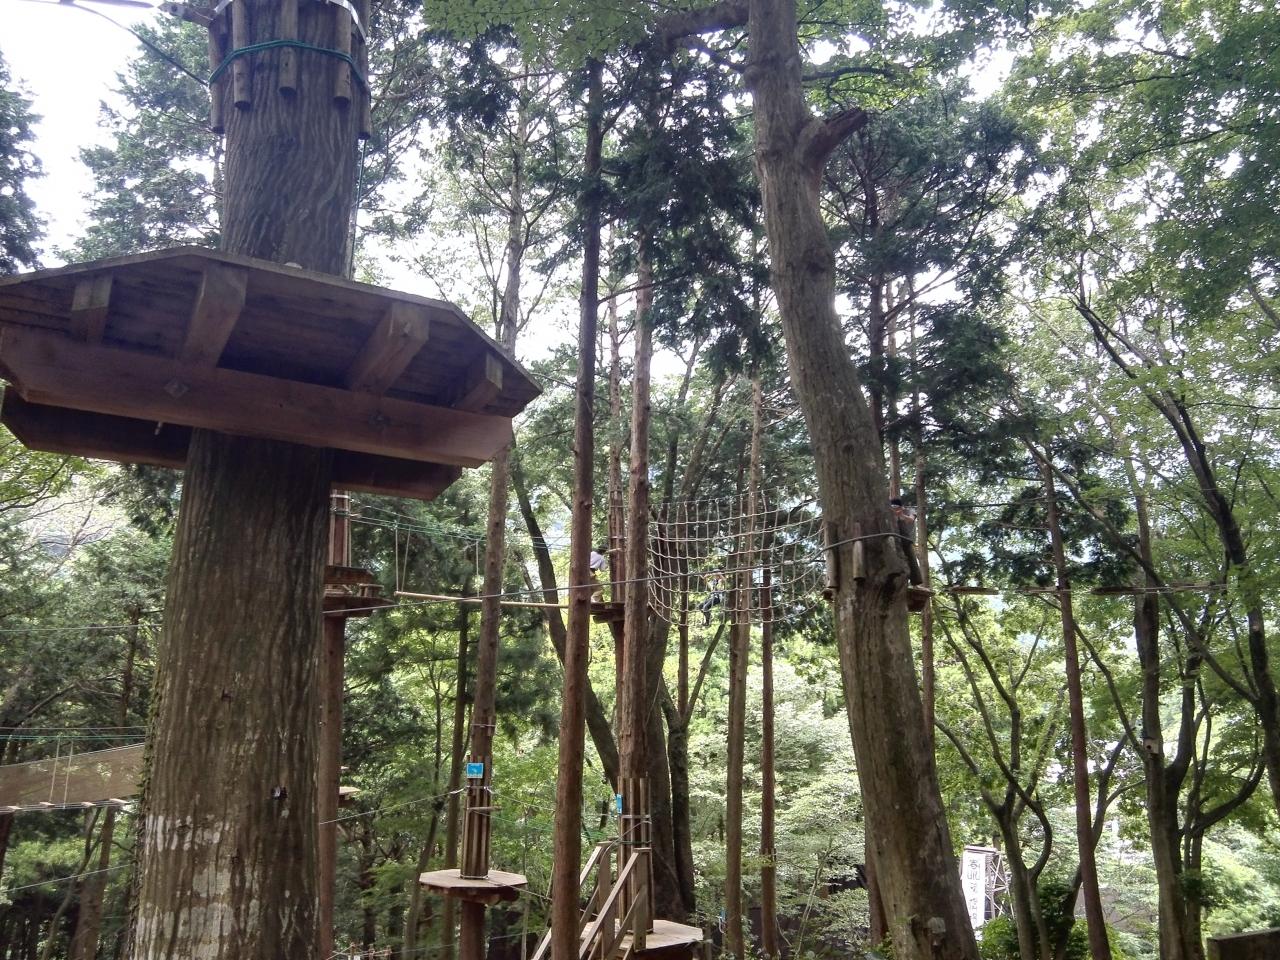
(617, 802)
(475, 771)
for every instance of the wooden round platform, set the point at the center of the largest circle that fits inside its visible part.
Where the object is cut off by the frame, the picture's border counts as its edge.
(498, 886)
(667, 939)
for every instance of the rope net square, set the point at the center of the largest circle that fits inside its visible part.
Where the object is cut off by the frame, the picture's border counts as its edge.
(748, 562)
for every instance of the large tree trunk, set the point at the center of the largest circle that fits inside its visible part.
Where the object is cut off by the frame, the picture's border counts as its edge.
(906, 824)
(229, 870)
(681, 834)
(567, 852)
(670, 899)
(1099, 948)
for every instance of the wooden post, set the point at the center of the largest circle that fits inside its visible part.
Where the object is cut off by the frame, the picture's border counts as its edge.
(218, 88)
(332, 677)
(287, 79)
(342, 44)
(241, 67)
(364, 124)
(330, 773)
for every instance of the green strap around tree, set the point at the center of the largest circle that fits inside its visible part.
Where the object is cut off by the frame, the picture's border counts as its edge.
(298, 44)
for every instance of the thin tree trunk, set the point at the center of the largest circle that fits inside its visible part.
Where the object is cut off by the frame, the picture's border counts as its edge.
(633, 683)
(484, 716)
(739, 655)
(230, 870)
(567, 852)
(905, 820)
(456, 756)
(597, 722)
(682, 835)
(617, 515)
(927, 679)
(90, 844)
(1022, 889)
(769, 938)
(84, 946)
(414, 916)
(1099, 949)
(1163, 781)
(1219, 507)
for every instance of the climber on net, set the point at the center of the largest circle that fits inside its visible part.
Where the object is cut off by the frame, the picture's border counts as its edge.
(906, 539)
(714, 597)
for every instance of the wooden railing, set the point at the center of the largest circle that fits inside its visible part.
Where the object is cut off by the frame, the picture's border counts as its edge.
(617, 906)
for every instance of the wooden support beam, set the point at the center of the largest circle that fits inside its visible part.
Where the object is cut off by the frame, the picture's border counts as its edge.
(52, 369)
(89, 307)
(214, 316)
(126, 440)
(391, 347)
(94, 435)
(481, 385)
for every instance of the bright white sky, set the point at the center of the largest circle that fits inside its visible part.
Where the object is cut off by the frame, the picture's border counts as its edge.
(66, 61)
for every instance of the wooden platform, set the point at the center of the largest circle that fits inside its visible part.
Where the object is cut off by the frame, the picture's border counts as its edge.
(610, 612)
(120, 359)
(668, 939)
(498, 886)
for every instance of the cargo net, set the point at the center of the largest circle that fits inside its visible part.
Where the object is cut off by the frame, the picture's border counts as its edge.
(722, 559)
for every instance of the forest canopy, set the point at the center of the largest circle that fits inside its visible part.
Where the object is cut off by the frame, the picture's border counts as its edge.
(1014, 267)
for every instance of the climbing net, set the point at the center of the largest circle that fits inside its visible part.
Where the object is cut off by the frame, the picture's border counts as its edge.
(735, 560)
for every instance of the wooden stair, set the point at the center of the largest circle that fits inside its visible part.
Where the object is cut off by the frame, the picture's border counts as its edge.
(617, 919)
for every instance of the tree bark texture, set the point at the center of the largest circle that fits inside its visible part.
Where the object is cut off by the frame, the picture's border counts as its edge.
(1099, 949)
(568, 824)
(670, 900)
(290, 164)
(228, 864)
(908, 836)
(229, 860)
(633, 683)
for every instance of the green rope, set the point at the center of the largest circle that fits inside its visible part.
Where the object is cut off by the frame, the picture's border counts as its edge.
(297, 44)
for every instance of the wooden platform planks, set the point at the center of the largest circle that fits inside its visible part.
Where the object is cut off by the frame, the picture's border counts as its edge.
(666, 935)
(405, 388)
(127, 440)
(497, 887)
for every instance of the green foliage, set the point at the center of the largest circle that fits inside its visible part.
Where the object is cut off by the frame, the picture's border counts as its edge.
(156, 183)
(19, 225)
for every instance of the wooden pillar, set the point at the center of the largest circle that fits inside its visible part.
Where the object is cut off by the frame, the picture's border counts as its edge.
(330, 773)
